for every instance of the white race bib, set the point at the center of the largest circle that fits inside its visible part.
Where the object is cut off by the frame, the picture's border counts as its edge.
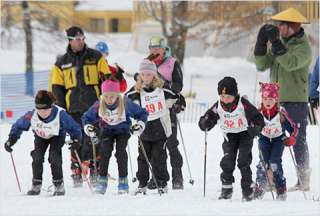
(154, 102)
(233, 122)
(272, 128)
(46, 130)
(111, 117)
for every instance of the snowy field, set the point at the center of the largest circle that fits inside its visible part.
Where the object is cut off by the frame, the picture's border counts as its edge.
(190, 201)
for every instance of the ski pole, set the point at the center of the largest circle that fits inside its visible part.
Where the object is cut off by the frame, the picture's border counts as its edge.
(134, 179)
(83, 175)
(15, 172)
(297, 171)
(149, 164)
(205, 163)
(265, 171)
(191, 181)
(94, 142)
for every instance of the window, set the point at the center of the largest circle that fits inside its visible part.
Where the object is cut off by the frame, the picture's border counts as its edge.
(97, 25)
(114, 25)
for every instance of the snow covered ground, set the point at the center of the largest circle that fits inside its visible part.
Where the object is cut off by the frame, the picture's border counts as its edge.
(190, 201)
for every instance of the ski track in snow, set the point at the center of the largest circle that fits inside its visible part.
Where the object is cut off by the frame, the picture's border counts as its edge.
(190, 201)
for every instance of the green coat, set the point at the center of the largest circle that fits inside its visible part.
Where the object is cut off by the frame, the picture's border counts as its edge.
(289, 70)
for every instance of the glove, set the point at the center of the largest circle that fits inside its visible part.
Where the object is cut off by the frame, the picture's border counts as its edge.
(205, 123)
(289, 141)
(278, 48)
(90, 130)
(176, 108)
(314, 102)
(138, 128)
(180, 105)
(272, 32)
(119, 74)
(9, 143)
(262, 37)
(74, 145)
(253, 131)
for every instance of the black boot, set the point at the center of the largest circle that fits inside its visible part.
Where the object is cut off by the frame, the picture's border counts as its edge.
(36, 187)
(226, 192)
(177, 180)
(151, 185)
(247, 194)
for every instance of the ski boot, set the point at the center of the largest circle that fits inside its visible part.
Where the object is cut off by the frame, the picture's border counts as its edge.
(36, 187)
(58, 188)
(102, 185)
(282, 193)
(226, 192)
(248, 194)
(123, 186)
(259, 191)
(305, 184)
(163, 188)
(177, 184)
(151, 185)
(142, 189)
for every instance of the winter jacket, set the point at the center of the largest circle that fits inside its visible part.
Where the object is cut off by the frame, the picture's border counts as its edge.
(254, 118)
(160, 128)
(132, 110)
(290, 70)
(176, 82)
(76, 79)
(67, 124)
(314, 81)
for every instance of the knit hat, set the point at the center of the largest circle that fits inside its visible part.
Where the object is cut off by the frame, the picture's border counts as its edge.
(74, 31)
(147, 66)
(44, 99)
(228, 85)
(269, 90)
(110, 86)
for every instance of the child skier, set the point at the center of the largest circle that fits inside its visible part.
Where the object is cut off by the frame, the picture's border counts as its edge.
(150, 94)
(272, 140)
(240, 122)
(113, 112)
(49, 123)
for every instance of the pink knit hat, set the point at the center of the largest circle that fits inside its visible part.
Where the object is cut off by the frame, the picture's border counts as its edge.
(110, 86)
(147, 66)
(270, 90)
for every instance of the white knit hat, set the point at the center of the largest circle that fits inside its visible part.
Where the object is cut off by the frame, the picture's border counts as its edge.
(147, 66)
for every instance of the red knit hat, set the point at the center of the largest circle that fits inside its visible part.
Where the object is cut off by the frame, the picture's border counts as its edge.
(110, 86)
(269, 90)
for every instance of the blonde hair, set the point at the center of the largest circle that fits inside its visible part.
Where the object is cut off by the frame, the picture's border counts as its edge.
(103, 106)
(157, 82)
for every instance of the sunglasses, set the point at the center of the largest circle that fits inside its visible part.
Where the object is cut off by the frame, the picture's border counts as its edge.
(78, 38)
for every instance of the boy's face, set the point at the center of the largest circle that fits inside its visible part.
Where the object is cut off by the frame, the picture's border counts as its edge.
(147, 78)
(268, 103)
(225, 98)
(44, 113)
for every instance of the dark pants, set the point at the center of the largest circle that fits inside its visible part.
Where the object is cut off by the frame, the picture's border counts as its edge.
(74, 162)
(106, 148)
(55, 157)
(299, 114)
(176, 160)
(240, 143)
(157, 156)
(272, 154)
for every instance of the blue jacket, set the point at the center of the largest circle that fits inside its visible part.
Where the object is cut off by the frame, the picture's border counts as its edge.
(132, 110)
(314, 81)
(67, 124)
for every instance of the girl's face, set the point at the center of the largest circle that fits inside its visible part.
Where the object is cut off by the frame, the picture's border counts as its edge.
(147, 78)
(225, 98)
(44, 113)
(268, 103)
(109, 99)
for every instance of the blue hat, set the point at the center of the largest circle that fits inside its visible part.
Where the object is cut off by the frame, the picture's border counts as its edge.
(102, 47)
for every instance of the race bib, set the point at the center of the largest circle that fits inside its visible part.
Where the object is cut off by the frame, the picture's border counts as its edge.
(45, 130)
(272, 128)
(111, 117)
(154, 102)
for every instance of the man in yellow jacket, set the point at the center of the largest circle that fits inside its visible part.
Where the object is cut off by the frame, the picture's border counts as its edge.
(75, 82)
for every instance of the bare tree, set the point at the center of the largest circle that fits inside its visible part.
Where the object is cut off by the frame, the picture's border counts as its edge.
(29, 49)
(176, 18)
